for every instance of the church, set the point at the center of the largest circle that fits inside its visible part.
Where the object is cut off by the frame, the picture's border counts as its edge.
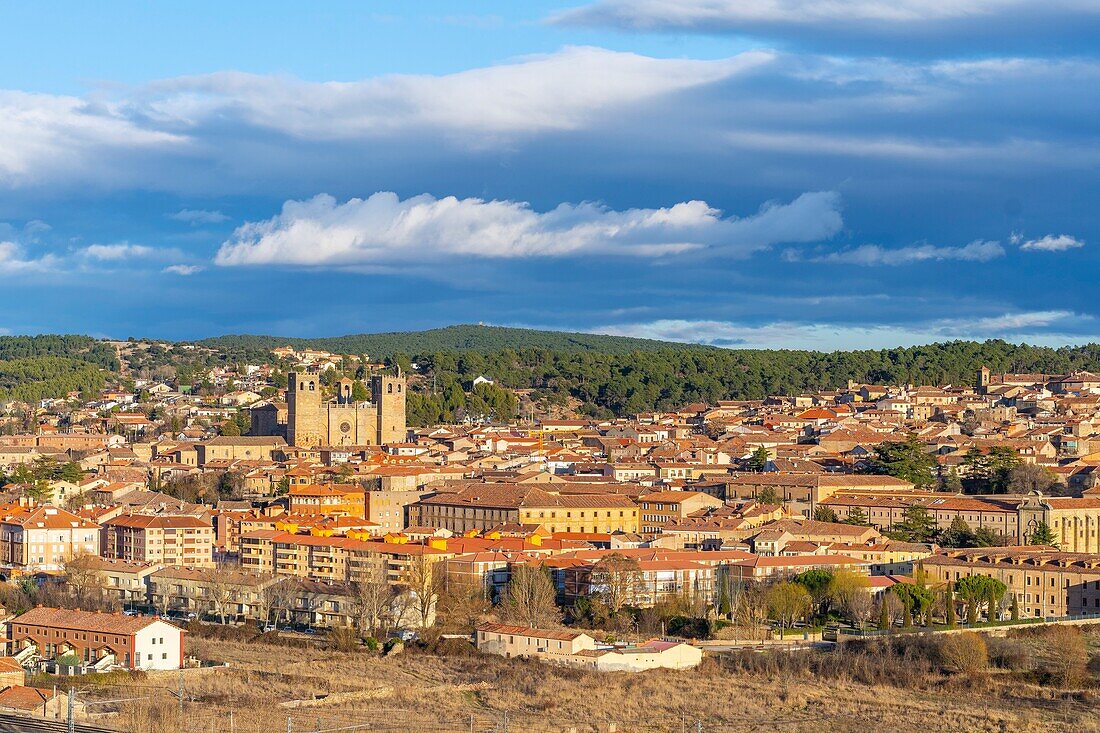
(310, 420)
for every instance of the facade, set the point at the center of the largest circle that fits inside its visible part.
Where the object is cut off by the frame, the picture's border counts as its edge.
(486, 506)
(168, 540)
(313, 421)
(43, 538)
(215, 593)
(1046, 582)
(333, 500)
(133, 642)
(663, 507)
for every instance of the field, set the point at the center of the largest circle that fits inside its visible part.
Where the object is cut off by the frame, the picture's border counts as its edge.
(457, 690)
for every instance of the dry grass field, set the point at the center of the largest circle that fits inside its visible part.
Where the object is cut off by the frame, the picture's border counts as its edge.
(421, 691)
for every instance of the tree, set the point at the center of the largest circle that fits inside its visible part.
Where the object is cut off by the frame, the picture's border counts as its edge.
(616, 580)
(359, 391)
(917, 525)
(958, 534)
(906, 459)
(949, 607)
(856, 517)
(421, 584)
(1015, 608)
(230, 428)
(1042, 534)
(767, 495)
(371, 599)
(531, 598)
(1068, 653)
(759, 459)
(976, 590)
(1028, 477)
(824, 514)
(849, 593)
(787, 602)
(917, 599)
(952, 482)
(84, 581)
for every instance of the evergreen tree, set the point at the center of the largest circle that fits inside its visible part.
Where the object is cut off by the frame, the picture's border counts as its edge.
(906, 460)
(857, 517)
(767, 495)
(759, 459)
(824, 514)
(958, 534)
(1015, 608)
(1042, 535)
(917, 525)
(883, 614)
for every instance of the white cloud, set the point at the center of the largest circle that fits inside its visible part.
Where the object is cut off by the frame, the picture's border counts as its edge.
(42, 135)
(1052, 243)
(199, 216)
(117, 252)
(865, 15)
(1054, 327)
(384, 229)
(13, 260)
(182, 270)
(869, 255)
(558, 91)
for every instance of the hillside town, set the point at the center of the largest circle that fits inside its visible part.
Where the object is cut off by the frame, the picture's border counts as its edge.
(605, 544)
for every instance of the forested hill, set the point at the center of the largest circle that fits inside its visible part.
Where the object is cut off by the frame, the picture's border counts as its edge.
(645, 380)
(36, 367)
(452, 338)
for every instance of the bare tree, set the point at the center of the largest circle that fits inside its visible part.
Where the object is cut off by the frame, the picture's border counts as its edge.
(421, 582)
(531, 598)
(371, 600)
(84, 581)
(617, 580)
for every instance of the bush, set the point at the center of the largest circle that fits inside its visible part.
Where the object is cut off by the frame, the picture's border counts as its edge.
(1008, 654)
(690, 628)
(371, 644)
(1068, 654)
(964, 652)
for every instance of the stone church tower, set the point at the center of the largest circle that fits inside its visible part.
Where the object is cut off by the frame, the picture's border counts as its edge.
(305, 422)
(388, 396)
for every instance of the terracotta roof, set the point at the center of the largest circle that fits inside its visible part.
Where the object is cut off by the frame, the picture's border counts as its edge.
(527, 631)
(77, 620)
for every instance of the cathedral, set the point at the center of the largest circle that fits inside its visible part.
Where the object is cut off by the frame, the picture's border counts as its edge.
(310, 420)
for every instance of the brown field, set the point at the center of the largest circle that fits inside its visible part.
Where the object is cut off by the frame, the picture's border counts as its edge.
(458, 690)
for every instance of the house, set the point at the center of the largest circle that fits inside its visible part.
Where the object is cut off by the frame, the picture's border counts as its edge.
(107, 639)
(578, 649)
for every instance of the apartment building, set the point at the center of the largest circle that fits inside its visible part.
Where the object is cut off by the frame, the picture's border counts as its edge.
(166, 539)
(333, 500)
(664, 507)
(214, 593)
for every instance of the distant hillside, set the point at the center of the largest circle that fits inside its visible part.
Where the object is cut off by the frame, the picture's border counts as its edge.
(452, 338)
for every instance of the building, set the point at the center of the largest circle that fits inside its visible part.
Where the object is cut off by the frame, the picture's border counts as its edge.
(239, 448)
(664, 507)
(166, 539)
(313, 421)
(333, 500)
(577, 649)
(213, 593)
(1046, 582)
(482, 507)
(98, 639)
(43, 538)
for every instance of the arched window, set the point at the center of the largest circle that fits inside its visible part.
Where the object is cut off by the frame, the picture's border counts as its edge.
(399, 388)
(311, 386)
(389, 388)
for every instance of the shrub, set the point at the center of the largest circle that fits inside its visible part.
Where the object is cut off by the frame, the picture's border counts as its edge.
(1008, 654)
(691, 628)
(1068, 655)
(371, 644)
(964, 652)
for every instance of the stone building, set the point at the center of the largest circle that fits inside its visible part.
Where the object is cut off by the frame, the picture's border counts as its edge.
(312, 420)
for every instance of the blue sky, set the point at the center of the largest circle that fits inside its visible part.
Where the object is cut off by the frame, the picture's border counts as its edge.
(779, 173)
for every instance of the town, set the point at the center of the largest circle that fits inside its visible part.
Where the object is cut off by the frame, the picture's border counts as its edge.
(290, 501)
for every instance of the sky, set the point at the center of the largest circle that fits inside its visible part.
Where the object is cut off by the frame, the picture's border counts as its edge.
(743, 173)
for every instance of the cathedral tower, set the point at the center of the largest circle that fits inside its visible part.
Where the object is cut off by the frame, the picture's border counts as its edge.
(305, 418)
